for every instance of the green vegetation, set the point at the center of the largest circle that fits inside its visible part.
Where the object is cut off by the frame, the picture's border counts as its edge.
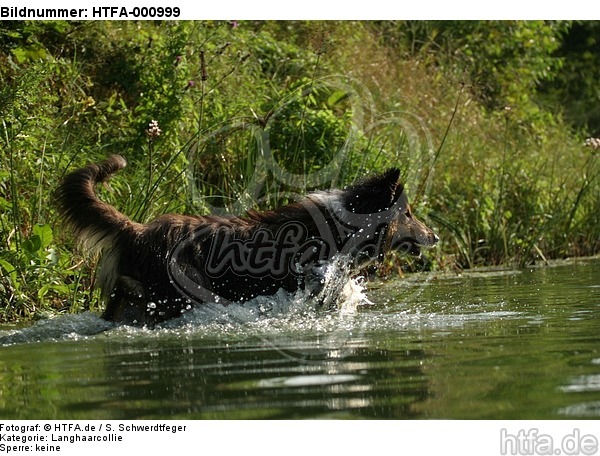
(486, 120)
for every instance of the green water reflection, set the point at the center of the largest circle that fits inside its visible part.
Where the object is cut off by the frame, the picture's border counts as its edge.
(506, 344)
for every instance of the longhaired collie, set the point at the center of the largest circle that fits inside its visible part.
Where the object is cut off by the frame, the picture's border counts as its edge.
(149, 273)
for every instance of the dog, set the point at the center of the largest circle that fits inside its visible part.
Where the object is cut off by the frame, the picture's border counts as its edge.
(150, 273)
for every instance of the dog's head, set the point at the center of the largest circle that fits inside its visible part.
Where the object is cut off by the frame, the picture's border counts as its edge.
(379, 207)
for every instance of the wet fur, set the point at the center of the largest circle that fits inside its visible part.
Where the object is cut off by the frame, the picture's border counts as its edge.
(361, 222)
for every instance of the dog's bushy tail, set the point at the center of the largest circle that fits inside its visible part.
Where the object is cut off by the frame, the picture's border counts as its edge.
(95, 223)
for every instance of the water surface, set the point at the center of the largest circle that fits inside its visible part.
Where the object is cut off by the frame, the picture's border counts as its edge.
(492, 344)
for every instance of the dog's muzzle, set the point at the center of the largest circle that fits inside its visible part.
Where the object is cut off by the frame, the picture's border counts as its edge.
(412, 247)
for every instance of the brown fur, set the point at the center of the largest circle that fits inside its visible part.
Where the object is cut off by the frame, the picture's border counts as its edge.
(153, 272)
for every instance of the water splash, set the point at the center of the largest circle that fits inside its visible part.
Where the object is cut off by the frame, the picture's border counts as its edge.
(64, 327)
(331, 310)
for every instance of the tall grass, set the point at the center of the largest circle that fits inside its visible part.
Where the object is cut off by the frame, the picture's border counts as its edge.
(251, 116)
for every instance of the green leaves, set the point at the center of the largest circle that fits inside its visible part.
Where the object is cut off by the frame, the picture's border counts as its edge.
(11, 271)
(337, 97)
(38, 241)
(32, 52)
(34, 274)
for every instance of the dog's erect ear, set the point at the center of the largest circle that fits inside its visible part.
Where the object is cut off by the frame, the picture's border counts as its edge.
(397, 193)
(374, 194)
